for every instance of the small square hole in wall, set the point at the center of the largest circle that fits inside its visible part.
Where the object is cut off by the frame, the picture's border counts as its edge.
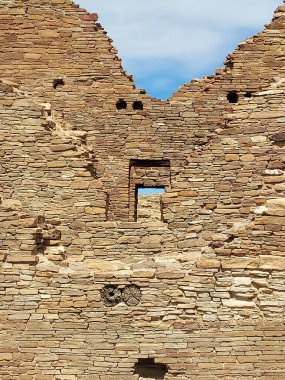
(248, 94)
(148, 369)
(232, 97)
(148, 203)
(138, 105)
(58, 83)
(121, 104)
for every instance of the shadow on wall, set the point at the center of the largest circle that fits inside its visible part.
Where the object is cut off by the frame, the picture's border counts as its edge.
(148, 369)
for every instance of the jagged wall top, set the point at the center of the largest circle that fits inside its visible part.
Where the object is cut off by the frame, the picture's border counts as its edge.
(210, 273)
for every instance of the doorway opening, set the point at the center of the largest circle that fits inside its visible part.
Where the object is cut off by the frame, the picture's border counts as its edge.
(148, 205)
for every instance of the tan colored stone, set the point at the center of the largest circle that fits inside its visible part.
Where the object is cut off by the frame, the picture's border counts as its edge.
(94, 279)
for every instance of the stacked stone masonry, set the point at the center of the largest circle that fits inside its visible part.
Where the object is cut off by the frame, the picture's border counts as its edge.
(199, 293)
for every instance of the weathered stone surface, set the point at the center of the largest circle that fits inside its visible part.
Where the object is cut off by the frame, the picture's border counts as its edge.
(275, 207)
(195, 276)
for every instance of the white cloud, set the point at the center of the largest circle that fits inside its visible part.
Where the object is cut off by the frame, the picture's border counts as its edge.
(190, 33)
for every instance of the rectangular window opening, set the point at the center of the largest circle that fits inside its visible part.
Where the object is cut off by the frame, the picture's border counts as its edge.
(148, 205)
(148, 180)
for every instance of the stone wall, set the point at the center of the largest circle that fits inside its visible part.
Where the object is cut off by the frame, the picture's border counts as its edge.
(87, 292)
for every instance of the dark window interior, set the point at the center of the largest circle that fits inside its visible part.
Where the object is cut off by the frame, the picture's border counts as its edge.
(148, 369)
(121, 104)
(58, 83)
(150, 163)
(248, 94)
(232, 97)
(138, 105)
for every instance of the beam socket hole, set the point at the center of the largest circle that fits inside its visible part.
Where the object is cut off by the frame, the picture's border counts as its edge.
(138, 105)
(148, 369)
(121, 104)
(58, 83)
(232, 97)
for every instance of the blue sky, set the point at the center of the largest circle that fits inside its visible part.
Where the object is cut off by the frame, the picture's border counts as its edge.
(150, 190)
(166, 43)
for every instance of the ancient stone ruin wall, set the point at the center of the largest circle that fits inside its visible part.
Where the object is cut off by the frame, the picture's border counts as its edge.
(91, 288)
